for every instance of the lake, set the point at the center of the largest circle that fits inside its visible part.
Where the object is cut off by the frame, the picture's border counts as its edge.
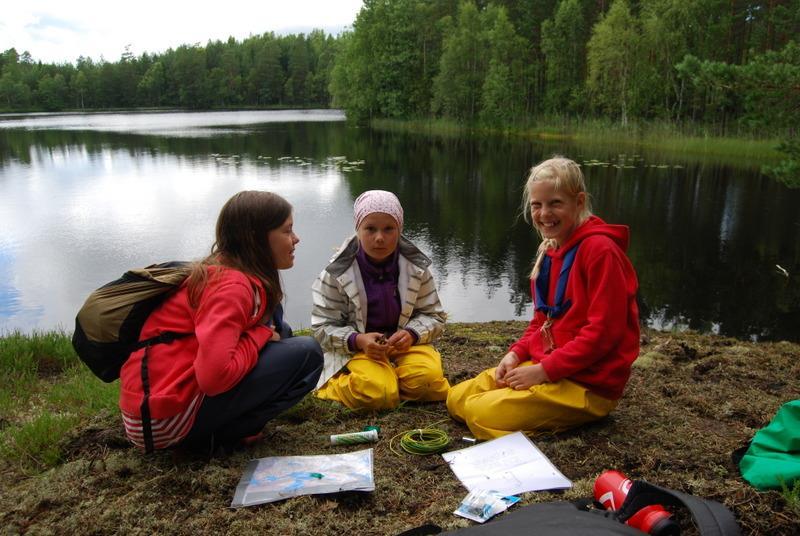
(83, 197)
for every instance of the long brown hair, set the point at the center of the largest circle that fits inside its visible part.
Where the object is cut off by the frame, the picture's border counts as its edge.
(242, 244)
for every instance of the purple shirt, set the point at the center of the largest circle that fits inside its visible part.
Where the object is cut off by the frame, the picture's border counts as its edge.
(383, 298)
(380, 284)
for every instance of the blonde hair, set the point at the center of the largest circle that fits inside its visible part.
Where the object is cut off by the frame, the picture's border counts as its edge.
(567, 177)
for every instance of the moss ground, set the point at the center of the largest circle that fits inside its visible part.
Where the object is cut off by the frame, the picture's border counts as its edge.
(691, 401)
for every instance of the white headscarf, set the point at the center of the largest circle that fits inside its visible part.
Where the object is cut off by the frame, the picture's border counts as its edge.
(373, 201)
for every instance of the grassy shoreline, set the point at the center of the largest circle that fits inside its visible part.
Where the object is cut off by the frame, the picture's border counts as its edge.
(690, 142)
(692, 400)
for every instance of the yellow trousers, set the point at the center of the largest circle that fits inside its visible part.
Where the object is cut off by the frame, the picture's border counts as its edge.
(491, 412)
(372, 384)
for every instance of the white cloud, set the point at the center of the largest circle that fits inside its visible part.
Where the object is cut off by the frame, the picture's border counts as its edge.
(59, 31)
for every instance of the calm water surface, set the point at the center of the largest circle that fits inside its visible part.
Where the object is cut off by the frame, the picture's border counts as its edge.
(83, 197)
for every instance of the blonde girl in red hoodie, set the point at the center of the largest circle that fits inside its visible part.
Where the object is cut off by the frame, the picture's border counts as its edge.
(573, 361)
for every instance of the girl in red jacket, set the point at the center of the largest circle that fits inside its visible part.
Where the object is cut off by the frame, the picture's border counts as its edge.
(573, 361)
(239, 366)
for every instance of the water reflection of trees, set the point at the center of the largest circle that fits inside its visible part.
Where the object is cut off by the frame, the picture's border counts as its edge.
(466, 194)
(705, 238)
(705, 243)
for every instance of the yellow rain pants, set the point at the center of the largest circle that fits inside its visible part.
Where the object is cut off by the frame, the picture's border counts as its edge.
(491, 412)
(367, 383)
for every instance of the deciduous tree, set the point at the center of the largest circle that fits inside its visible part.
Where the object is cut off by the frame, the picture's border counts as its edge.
(462, 67)
(564, 40)
(503, 94)
(612, 60)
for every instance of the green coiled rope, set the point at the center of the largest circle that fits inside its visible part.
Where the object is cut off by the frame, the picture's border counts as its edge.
(422, 441)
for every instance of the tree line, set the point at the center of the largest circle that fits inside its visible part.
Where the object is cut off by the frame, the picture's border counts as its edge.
(724, 63)
(263, 70)
(720, 62)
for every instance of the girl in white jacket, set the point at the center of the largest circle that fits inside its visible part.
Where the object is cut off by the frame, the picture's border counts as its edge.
(375, 313)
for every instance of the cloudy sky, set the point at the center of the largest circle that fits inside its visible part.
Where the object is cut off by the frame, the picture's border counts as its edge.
(56, 31)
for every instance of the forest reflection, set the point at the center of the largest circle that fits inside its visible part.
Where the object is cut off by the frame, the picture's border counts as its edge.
(706, 237)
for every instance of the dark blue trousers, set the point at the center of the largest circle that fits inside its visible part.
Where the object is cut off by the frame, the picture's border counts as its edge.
(286, 371)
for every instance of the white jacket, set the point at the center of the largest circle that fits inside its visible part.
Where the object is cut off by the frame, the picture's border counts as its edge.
(340, 302)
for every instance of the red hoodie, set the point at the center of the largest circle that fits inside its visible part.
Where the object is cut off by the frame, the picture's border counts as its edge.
(224, 345)
(597, 339)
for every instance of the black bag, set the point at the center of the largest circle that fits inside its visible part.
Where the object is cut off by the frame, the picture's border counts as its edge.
(551, 519)
(570, 519)
(108, 325)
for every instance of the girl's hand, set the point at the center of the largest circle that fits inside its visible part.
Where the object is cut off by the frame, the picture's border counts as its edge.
(373, 344)
(522, 378)
(275, 335)
(507, 364)
(400, 342)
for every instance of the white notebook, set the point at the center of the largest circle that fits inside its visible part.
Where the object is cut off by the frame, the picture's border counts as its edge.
(509, 465)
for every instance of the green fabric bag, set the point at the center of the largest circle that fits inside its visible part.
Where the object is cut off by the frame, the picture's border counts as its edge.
(773, 458)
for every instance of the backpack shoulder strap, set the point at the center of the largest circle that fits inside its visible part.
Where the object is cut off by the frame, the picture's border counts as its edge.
(711, 517)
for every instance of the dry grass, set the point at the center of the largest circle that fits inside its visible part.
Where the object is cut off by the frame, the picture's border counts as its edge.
(691, 401)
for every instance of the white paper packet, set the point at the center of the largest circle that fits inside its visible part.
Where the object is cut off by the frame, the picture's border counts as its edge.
(481, 505)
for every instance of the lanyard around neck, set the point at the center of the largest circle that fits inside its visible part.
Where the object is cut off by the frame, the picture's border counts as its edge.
(543, 285)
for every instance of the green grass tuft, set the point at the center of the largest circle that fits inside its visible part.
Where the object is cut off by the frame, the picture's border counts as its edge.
(792, 496)
(80, 391)
(34, 446)
(45, 392)
(37, 353)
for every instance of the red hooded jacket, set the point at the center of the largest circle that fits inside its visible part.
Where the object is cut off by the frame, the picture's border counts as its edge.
(224, 346)
(597, 339)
